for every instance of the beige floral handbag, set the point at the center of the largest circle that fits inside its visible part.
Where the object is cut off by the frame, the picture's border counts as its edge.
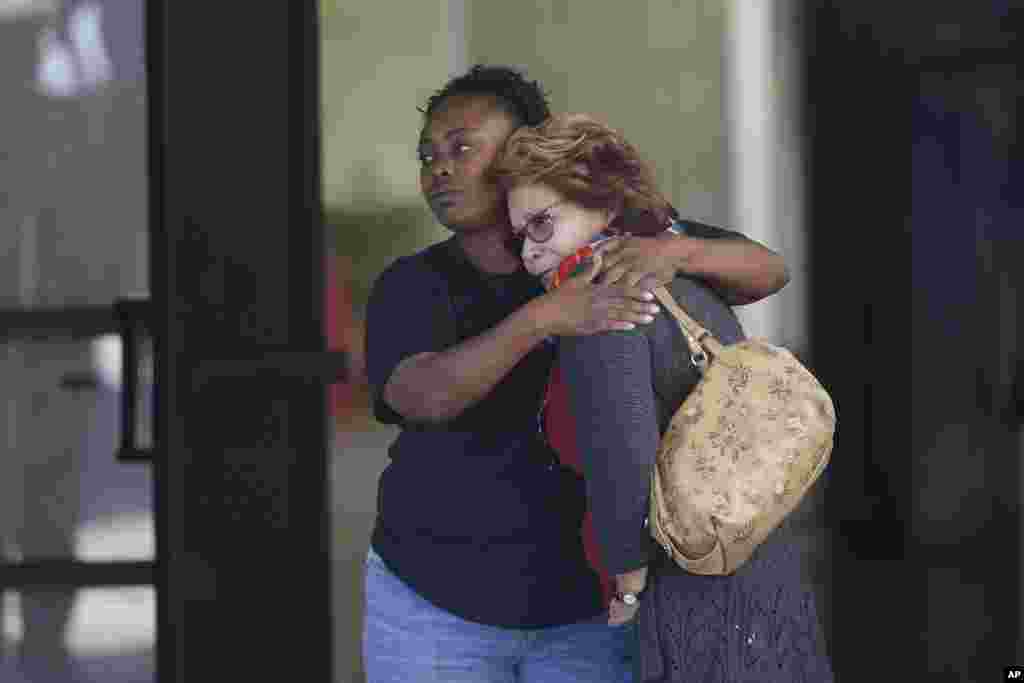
(740, 453)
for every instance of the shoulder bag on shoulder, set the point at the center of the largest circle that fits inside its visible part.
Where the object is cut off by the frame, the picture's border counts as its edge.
(740, 453)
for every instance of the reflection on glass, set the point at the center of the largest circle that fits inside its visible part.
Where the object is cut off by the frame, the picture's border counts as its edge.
(110, 622)
(119, 537)
(62, 493)
(109, 636)
(73, 232)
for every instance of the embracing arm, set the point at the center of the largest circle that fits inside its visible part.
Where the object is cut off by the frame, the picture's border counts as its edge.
(739, 269)
(418, 375)
(438, 386)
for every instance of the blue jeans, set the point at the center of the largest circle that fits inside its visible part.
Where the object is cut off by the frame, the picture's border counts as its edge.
(407, 639)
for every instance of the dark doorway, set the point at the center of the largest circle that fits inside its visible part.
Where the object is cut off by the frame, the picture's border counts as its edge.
(916, 245)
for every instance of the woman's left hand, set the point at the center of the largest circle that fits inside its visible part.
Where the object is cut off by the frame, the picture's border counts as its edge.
(620, 613)
(648, 262)
(631, 582)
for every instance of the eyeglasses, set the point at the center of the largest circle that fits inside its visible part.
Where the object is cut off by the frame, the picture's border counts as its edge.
(540, 225)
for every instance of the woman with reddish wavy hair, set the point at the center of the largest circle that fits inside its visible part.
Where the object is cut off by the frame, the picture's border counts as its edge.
(573, 183)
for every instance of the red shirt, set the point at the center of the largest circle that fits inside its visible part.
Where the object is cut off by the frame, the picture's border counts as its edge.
(560, 430)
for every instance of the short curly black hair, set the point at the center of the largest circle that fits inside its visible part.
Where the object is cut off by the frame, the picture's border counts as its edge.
(521, 98)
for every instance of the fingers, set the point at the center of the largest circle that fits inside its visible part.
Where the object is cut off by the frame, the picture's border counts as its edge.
(592, 269)
(628, 301)
(641, 307)
(635, 278)
(629, 298)
(622, 267)
(619, 614)
(638, 294)
(613, 274)
(611, 245)
(648, 282)
(629, 316)
(586, 277)
(616, 326)
(636, 318)
(626, 293)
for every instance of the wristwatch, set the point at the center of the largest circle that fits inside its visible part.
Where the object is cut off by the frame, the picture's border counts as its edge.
(629, 599)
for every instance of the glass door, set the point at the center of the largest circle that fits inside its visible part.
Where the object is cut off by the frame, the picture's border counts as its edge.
(76, 525)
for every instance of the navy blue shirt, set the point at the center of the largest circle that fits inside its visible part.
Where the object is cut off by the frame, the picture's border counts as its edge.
(473, 513)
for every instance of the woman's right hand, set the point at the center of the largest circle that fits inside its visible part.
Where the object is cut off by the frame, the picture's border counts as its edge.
(579, 306)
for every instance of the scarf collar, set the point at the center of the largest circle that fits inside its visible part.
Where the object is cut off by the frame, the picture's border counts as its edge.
(575, 263)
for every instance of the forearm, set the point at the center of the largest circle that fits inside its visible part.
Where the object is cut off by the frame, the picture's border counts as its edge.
(435, 387)
(741, 270)
(609, 382)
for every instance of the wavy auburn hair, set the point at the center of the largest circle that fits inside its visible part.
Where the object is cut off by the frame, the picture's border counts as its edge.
(590, 163)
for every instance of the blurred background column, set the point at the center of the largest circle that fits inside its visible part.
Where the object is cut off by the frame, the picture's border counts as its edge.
(763, 91)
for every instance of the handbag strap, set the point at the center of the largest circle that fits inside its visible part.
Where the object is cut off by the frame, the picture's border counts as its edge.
(701, 342)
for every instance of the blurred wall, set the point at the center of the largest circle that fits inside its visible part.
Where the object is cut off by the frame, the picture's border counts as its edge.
(654, 70)
(379, 63)
(377, 68)
(73, 195)
(376, 71)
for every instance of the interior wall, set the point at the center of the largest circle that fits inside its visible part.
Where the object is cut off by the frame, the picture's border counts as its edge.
(377, 66)
(653, 70)
(376, 72)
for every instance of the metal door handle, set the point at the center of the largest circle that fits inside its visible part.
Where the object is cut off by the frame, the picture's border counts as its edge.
(133, 322)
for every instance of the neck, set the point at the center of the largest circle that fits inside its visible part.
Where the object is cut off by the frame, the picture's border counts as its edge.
(487, 250)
